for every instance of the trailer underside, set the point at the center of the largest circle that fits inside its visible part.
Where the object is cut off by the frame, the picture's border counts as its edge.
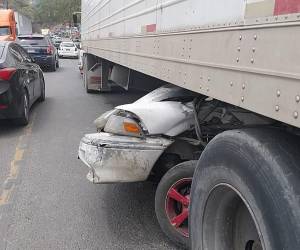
(253, 66)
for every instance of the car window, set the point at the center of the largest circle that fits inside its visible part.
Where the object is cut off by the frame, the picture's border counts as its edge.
(67, 45)
(4, 31)
(33, 41)
(15, 53)
(24, 54)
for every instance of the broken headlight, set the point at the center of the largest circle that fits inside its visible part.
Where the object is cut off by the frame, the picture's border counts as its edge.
(124, 123)
(101, 121)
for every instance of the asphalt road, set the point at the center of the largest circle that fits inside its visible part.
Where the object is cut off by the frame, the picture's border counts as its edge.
(46, 201)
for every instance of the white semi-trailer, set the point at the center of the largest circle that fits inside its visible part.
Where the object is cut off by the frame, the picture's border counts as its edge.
(23, 23)
(242, 54)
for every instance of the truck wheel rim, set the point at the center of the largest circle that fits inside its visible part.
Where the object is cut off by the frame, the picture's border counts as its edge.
(228, 221)
(177, 205)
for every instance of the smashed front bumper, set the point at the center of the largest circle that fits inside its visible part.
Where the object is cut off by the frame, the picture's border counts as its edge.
(112, 158)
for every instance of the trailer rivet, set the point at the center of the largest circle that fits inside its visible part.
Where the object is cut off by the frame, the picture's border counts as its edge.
(252, 60)
(241, 37)
(255, 37)
(253, 49)
(208, 78)
(278, 93)
(239, 48)
(277, 108)
(243, 86)
(242, 98)
(231, 84)
(297, 98)
(295, 114)
(237, 59)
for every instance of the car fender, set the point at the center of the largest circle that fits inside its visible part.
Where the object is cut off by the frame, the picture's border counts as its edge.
(170, 118)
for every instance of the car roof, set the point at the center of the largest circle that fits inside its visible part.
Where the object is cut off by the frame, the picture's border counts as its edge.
(4, 43)
(3, 48)
(67, 42)
(31, 35)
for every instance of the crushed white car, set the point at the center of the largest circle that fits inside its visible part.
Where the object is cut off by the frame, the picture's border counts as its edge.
(132, 137)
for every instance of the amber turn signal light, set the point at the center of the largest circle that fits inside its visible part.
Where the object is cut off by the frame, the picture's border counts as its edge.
(131, 127)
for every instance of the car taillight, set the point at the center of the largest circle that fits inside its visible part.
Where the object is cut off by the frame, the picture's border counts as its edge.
(50, 50)
(6, 74)
(2, 106)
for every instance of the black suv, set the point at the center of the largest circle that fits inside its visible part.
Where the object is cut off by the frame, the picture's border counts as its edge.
(41, 50)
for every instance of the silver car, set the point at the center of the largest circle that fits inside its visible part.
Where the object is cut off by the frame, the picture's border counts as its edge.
(132, 137)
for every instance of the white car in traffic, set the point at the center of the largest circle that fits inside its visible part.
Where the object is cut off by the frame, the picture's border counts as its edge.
(68, 49)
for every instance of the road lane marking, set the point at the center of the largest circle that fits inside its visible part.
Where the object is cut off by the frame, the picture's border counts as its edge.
(14, 164)
(4, 198)
(14, 167)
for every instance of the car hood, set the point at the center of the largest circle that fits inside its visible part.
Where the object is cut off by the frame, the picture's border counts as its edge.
(167, 93)
(167, 110)
(170, 118)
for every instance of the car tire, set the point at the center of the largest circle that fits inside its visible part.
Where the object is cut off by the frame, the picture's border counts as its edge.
(53, 66)
(43, 91)
(245, 192)
(23, 120)
(170, 208)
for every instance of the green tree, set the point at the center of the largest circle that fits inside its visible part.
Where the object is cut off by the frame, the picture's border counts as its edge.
(56, 11)
(23, 6)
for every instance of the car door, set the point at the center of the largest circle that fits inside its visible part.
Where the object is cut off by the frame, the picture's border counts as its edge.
(24, 70)
(34, 70)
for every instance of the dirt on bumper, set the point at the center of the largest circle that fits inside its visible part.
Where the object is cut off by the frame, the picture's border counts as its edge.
(112, 158)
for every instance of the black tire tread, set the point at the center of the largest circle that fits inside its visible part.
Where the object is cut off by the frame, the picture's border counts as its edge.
(264, 165)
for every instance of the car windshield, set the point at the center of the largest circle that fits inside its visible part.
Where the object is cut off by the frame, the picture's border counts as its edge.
(33, 41)
(4, 31)
(67, 45)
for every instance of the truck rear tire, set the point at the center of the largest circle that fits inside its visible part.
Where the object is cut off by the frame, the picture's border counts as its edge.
(172, 202)
(245, 192)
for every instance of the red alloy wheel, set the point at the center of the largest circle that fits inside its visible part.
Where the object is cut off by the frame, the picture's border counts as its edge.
(177, 205)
